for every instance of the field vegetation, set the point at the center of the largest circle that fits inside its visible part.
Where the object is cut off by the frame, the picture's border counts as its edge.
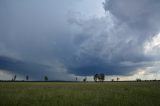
(79, 94)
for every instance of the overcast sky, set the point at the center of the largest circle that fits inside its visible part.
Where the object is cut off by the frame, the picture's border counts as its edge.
(67, 38)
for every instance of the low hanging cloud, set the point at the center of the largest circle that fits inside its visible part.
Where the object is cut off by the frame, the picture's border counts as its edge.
(47, 38)
(118, 38)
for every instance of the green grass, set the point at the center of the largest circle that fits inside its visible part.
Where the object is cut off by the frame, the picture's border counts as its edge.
(80, 94)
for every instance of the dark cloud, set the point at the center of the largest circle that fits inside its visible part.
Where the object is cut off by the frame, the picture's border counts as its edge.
(23, 68)
(118, 37)
(44, 37)
(142, 15)
(34, 70)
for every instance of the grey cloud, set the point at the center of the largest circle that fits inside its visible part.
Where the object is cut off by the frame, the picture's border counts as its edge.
(46, 35)
(111, 42)
(34, 70)
(142, 14)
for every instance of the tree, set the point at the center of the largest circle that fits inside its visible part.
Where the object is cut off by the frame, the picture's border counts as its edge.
(14, 78)
(118, 78)
(85, 79)
(45, 78)
(27, 77)
(138, 80)
(112, 80)
(99, 77)
(95, 77)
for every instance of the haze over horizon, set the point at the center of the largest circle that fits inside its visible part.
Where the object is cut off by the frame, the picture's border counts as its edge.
(63, 39)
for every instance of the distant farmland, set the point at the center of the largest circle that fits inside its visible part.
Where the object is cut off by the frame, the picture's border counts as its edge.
(79, 94)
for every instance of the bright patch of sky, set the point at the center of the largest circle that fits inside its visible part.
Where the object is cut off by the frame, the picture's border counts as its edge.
(153, 46)
(89, 8)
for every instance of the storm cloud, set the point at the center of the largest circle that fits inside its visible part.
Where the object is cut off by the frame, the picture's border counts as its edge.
(54, 38)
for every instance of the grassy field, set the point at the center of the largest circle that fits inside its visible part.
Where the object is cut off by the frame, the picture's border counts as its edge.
(80, 94)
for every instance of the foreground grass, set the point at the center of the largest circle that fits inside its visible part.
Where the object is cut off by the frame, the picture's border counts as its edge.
(80, 94)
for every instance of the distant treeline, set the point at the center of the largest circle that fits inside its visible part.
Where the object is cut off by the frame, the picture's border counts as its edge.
(96, 78)
(78, 81)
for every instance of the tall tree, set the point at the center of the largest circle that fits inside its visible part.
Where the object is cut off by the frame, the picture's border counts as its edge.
(118, 78)
(85, 79)
(14, 78)
(95, 77)
(101, 77)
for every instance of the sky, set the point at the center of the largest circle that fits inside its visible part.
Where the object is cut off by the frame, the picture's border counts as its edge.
(64, 39)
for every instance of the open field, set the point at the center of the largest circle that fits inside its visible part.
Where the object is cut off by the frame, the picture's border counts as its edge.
(79, 94)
